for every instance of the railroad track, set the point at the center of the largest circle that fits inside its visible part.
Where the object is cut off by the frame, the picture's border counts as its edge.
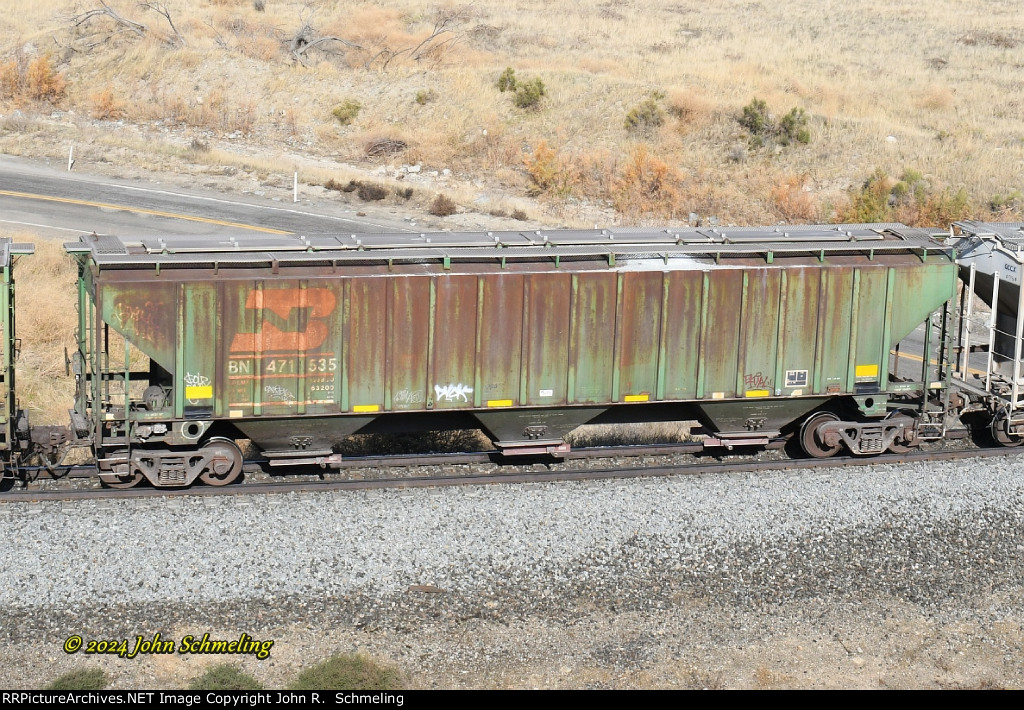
(629, 462)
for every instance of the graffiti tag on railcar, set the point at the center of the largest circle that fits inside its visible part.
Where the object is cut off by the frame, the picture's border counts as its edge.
(131, 317)
(453, 392)
(279, 393)
(757, 380)
(408, 396)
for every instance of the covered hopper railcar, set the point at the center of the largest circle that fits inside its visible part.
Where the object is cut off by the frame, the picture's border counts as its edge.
(296, 342)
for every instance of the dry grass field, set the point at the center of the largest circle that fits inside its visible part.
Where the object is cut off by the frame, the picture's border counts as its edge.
(636, 117)
(46, 318)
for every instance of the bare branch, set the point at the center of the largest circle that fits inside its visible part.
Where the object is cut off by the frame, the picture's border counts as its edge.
(305, 39)
(86, 17)
(221, 42)
(161, 9)
(433, 46)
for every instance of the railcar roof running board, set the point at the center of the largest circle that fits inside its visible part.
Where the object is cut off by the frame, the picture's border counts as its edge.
(636, 243)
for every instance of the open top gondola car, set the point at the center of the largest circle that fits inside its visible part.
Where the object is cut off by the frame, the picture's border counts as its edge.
(187, 345)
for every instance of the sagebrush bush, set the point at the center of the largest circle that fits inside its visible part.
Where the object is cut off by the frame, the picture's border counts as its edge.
(793, 128)
(525, 94)
(755, 117)
(765, 131)
(442, 206)
(349, 672)
(507, 80)
(347, 111)
(528, 94)
(645, 116)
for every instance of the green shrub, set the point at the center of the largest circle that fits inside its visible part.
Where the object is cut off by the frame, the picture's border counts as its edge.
(1010, 202)
(80, 679)
(347, 111)
(793, 128)
(349, 672)
(425, 97)
(225, 677)
(764, 131)
(645, 116)
(911, 200)
(529, 93)
(525, 94)
(870, 203)
(507, 80)
(755, 118)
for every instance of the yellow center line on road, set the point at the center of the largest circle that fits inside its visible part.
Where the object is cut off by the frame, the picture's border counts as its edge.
(139, 210)
(918, 358)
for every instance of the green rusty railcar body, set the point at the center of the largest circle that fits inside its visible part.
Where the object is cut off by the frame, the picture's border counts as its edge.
(296, 342)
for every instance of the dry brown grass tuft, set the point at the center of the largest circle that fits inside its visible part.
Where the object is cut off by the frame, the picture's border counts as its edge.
(689, 108)
(107, 105)
(647, 186)
(443, 206)
(793, 202)
(45, 317)
(937, 98)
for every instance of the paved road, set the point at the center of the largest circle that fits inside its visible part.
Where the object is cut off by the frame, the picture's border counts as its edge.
(61, 203)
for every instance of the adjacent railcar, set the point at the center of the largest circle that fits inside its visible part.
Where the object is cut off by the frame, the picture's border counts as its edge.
(297, 342)
(13, 424)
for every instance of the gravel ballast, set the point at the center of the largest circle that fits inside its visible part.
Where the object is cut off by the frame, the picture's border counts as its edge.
(786, 579)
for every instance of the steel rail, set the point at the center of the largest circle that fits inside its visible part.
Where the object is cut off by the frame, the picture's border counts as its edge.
(518, 478)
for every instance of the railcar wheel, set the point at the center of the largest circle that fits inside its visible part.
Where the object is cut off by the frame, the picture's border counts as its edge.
(811, 442)
(1001, 435)
(225, 462)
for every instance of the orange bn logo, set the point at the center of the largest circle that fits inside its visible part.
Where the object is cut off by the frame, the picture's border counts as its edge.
(276, 305)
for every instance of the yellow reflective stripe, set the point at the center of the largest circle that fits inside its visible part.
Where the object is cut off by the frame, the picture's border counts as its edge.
(866, 371)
